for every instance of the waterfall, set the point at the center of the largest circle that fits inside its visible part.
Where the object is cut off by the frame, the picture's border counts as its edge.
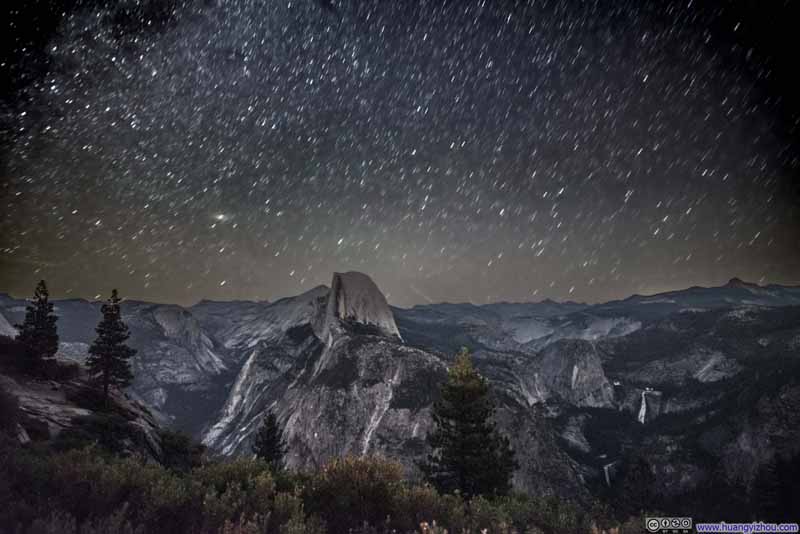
(605, 472)
(643, 408)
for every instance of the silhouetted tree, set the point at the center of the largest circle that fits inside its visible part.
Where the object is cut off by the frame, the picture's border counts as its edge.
(468, 453)
(38, 333)
(636, 488)
(269, 444)
(9, 412)
(766, 490)
(179, 452)
(776, 492)
(109, 356)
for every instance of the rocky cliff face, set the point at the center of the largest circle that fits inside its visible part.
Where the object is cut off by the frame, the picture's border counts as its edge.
(180, 370)
(51, 408)
(572, 372)
(343, 382)
(706, 389)
(354, 302)
(336, 373)
(696, 380)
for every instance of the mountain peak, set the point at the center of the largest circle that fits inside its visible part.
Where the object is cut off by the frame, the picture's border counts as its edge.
(355, 298)
(738, 282)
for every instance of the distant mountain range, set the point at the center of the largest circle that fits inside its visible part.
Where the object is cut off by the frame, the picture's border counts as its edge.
(703, 382)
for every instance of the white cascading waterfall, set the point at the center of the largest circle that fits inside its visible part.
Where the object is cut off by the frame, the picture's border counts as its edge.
(605, 472)
(643, 408)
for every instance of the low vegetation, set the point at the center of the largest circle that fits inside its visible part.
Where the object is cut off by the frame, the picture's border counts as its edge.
(85, 491)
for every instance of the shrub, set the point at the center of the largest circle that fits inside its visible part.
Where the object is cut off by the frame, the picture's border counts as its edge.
(242, 526)
(90, 486)
(558, 516)
(88, 492)
(238, 489)
(179, 452)
(288, 516)
(56, 523)
(9, 412)
(290, 481)
(522, 512)
(488, 515)
(415, 505)
(287, 506)
(59, 370)
(12, 355)
(110, 432)
(348, 492)
(89, 398)
(60, 522)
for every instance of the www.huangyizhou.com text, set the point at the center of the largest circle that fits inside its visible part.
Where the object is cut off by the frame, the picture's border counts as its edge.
(747, 528)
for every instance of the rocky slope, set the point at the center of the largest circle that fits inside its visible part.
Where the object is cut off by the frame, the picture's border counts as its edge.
(699, 381)
(342, 381)
(52, 409)
(180, 370)
(336, 372)
(355, 300)
(710, 390)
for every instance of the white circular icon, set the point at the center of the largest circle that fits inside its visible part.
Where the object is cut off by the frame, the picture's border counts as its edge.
(653, 524)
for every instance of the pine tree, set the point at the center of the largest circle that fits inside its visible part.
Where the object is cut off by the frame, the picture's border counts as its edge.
(38, 334)
(766, 490)
(775, 489)
(109, 356)
(269, 444)
(635, 494)
(469, 454)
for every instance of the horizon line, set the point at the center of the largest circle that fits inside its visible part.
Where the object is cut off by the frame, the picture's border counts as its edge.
(792, 284)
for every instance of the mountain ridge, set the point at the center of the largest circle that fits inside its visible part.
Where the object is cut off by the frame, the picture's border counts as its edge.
(732, 282)
(564, 374)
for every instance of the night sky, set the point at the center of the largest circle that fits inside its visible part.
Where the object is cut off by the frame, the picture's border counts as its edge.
(453, 150)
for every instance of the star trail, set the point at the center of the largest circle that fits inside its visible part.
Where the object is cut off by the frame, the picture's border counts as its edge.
(454, 151)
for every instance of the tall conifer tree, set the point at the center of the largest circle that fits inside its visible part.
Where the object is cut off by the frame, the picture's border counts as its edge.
(38, 334)
(109, 356)
(269, 444)
(468, 453)
(635, 491)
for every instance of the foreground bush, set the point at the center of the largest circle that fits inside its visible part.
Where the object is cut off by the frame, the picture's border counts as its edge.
(81, 489)
(351, 491)
(83, 492)
(9, 412)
